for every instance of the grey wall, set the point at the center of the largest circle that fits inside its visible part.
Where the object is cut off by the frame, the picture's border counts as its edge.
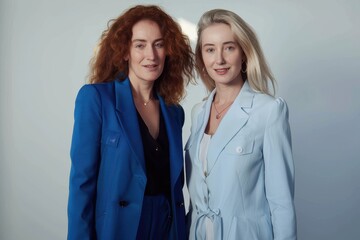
(311, 46)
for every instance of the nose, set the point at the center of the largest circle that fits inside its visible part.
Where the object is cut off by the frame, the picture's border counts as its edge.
(220, 58)
(150, 52)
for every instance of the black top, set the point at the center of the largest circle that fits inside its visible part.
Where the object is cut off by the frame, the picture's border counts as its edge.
(156, 153)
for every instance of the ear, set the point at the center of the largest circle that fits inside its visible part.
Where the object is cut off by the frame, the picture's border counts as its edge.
(243, 56)
(126, 58)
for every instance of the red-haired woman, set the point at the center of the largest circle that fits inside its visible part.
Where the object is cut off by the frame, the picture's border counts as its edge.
(127, 164)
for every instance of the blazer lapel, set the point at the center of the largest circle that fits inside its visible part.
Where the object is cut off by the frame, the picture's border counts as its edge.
(174, 132)
(201, 122)
(231, 124)
(126, 113)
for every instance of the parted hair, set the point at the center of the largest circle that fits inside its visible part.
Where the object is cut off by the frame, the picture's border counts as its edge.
(258, 73)
(108, 62)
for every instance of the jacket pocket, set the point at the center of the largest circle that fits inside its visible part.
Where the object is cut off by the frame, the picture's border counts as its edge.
(240, 147)
(110, 138)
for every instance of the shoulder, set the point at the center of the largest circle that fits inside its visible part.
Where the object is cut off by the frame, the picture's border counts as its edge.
(105, 88)
(277, 104)
(279, 109)
(269, 102)
(177, 108)
(195, 112)
(270, 109)
(95, 90)
(276, 110)
(177, 111)
(88, 93)
(197, 107)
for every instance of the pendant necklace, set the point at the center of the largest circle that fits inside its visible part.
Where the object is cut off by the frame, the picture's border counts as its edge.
(218, 113)
(146, 103)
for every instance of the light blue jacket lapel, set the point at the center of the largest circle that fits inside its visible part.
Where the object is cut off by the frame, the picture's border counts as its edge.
(234, 120)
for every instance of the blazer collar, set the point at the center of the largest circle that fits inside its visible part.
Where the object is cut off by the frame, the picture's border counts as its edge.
(126, 113)
(234, 120)
(174, 133)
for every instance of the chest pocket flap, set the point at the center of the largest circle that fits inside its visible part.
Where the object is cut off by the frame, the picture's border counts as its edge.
(110, 138)
(240, 147)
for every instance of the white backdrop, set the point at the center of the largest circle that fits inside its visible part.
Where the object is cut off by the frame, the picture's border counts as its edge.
(311, 46)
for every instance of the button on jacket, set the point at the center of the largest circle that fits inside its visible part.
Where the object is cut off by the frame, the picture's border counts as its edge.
(248, 190)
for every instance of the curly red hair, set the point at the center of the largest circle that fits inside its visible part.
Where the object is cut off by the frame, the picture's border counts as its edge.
(109, 63)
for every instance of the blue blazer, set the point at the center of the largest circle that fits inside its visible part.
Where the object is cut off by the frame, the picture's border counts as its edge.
(249, 186)
(107, 178)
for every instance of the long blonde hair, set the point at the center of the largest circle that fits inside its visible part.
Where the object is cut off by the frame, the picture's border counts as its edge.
(258, 73)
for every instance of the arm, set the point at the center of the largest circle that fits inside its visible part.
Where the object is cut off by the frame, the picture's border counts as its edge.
(279, 172)
(85, 159)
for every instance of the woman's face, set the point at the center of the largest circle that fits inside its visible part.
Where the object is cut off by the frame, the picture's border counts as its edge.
(221, 54)
(147, 52)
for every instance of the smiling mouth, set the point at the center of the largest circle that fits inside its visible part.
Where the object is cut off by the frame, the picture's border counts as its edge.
(151, 66)
(221, 70)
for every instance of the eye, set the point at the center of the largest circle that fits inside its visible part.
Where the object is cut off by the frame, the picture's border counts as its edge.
(209, 50)
(159, 44)
(139, 45)
(230, 48)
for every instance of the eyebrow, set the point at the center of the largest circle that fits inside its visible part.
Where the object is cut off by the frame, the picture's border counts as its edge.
(211, 44)
(143, 40)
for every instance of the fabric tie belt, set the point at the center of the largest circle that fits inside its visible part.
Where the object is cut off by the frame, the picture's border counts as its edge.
(200, 227)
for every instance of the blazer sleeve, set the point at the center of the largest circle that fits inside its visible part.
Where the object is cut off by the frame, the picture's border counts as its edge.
(279, 172)
(85, 159)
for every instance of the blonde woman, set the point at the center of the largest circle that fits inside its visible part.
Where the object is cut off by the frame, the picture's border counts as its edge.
(240, 171)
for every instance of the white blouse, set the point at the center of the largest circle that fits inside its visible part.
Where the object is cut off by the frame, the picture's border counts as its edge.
(204, 145)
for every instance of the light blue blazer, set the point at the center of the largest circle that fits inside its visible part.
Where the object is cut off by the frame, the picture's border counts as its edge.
(107, 179)
(248, 190)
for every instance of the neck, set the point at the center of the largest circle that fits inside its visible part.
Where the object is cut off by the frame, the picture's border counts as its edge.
(227, 93)
(144, 95)
(143, 92)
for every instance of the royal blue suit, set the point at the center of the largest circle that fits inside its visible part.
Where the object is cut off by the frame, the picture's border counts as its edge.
(107, 178)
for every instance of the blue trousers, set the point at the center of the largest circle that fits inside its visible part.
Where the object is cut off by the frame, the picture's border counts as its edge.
(155, 221)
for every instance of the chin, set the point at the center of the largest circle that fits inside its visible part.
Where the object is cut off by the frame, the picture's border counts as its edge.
(152, 79)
